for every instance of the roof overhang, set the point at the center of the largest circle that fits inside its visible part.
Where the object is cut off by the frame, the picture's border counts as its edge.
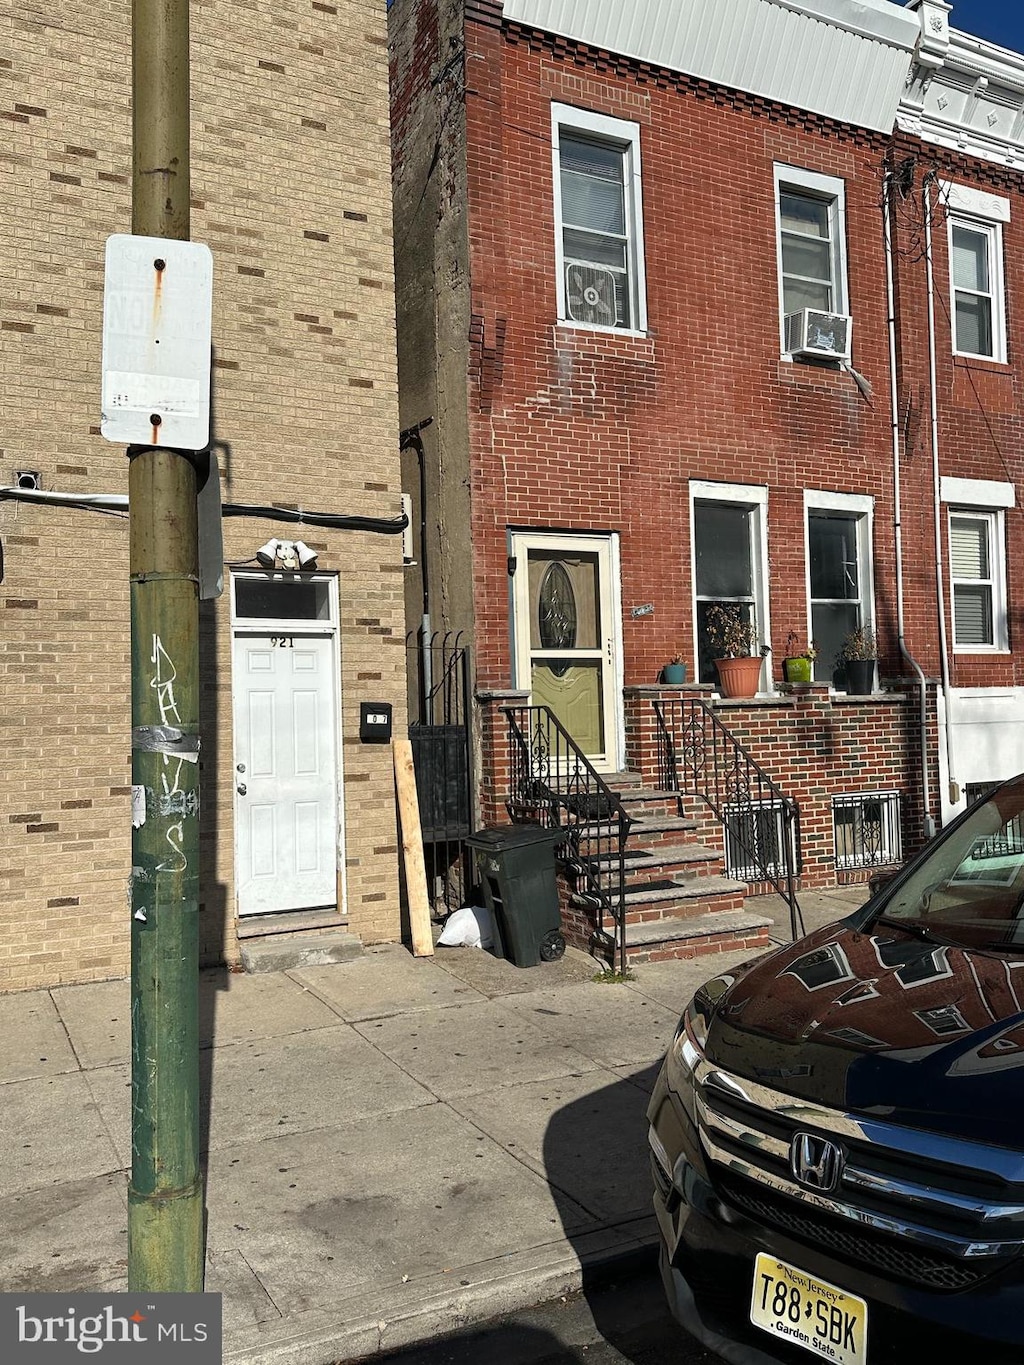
(843, 59)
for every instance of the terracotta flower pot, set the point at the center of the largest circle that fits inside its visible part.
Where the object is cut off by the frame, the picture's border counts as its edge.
(739, 677)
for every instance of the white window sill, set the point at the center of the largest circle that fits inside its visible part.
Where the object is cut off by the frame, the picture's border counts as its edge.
(984, 359)
(572, 326)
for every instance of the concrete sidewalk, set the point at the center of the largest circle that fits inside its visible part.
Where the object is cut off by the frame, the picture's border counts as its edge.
(396, 1147)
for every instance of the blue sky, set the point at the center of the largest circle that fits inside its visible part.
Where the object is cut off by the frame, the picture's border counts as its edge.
(1000, 21)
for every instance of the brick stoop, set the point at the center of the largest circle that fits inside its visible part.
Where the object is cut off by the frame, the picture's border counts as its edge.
(678, 902)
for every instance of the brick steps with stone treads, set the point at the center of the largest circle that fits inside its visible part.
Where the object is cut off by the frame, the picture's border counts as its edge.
(678, 903)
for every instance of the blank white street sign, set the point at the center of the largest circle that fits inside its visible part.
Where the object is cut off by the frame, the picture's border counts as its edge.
(157, 331)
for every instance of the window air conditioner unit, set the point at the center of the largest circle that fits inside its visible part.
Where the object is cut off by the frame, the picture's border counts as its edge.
(812, 332)
(590, 295)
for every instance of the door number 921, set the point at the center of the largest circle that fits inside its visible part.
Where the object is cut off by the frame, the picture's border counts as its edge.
(282, 641)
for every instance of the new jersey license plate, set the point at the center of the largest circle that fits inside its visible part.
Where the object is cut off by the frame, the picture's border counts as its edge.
(794, 1306)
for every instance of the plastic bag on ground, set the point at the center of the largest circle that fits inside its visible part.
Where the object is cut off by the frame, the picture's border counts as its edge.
(468, 927)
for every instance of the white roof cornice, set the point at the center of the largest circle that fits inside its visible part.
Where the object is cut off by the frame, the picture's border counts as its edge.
(964, 94)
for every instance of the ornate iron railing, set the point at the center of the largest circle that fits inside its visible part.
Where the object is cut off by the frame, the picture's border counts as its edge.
(553, 783)
(866, 828)
(698, 756)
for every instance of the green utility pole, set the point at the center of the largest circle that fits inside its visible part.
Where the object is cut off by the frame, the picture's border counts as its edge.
(165, 1197)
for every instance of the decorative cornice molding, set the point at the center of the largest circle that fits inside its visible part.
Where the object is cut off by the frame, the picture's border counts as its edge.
(963, 93)
(933, 43)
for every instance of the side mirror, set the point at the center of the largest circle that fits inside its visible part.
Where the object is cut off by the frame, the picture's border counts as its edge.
(879, 879)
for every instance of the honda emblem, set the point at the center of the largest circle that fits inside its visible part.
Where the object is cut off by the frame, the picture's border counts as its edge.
(816, 1162)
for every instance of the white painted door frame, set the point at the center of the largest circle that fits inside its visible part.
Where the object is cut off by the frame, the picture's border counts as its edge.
(282, 627)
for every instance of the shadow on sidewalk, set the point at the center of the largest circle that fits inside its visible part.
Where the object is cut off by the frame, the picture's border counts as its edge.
(596, 1159)
(503, 1342)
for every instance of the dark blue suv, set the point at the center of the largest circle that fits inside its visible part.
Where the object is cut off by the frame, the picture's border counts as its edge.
(837, 1133)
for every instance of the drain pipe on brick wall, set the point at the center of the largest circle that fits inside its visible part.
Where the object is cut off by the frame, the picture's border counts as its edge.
(953, 789)
(922, 683)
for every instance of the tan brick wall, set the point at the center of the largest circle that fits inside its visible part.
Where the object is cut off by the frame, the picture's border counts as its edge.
(291, 190)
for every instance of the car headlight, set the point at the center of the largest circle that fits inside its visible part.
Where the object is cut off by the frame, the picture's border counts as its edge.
(691, 1036)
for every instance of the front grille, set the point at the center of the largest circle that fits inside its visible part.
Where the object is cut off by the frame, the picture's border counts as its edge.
(895, 1258)
(922, 1208)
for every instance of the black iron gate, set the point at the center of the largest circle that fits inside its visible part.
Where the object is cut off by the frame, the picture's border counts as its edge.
(438, 671)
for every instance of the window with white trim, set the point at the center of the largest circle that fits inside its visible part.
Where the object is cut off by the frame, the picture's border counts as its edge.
(598, 220)
(810, 240)
(839, 579)
(977, 562)
(975, 566)
(975, 251)
(730, 559)
(975, 240)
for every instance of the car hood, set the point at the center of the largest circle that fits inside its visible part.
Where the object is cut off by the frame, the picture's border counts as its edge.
(880, 1023)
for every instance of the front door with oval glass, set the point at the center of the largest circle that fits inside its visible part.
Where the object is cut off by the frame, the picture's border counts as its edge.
(566, 653)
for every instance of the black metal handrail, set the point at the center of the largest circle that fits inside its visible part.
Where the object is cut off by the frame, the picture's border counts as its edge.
(553, 783)
(699, 756)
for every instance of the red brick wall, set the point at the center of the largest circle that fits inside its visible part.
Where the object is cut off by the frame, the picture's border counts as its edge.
(601, 432)
(593, 431)
(980, 430)
(813, 747)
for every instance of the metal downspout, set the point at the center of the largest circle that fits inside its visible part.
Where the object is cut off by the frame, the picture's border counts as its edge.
(940, 585)
(922, 683)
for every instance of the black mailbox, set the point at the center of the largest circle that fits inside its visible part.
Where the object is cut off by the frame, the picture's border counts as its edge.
(375, 722)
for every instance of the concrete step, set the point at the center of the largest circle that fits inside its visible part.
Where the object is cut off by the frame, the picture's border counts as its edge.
(669, 897)
(649, 800)
(645, 831)
(284, 952)
(715, 932)
(678, 861)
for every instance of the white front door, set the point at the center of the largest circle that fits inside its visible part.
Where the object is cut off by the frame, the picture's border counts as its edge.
(567, 650)
(285, 772)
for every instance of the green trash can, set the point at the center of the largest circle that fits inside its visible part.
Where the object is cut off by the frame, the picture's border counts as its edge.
(516, 870)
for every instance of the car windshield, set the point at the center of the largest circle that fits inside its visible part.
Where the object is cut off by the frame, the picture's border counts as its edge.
(969, 889)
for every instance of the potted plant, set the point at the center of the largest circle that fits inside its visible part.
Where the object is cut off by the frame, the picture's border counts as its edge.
(858, 656)
(674, 672)
(797, 666)
(732, 638)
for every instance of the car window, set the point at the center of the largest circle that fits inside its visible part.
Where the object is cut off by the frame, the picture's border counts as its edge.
(969, 887)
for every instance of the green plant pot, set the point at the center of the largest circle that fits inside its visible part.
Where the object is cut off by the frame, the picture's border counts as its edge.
(797, 670)
(674, 674)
